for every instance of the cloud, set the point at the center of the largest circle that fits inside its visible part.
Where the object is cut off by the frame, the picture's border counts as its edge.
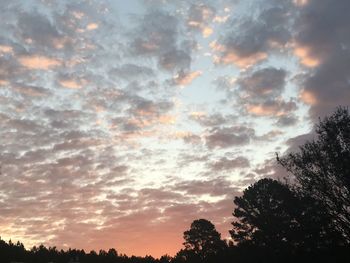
(92, 26)
(157, 34)
(270, 136)
(253, 38)
(8, 68)
(271, 169)
(131, 72)
(259, 92)
(144, 107)
(225, 164)
(215, 187)
(301, 2)
(38, 30)
(39, 62)
(287, 120)
(274, 108)
(216, 119)
(324, 43)
(264, 83)
(184, 79)
(192, 139)
(6, 49)
(306, 58)
(71, 82)
(229, 136)
(96, 163)
(199, 18)
(299, 140)
(31, 91)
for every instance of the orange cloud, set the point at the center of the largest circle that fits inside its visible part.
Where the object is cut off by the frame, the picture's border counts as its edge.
(5, 49)
(241, 62)
(277, 109)
(167, 119)
(230, 57)
(70, 84)
(197, 114)
(194, 23)
(261, 110)
(215, 46)
(78, 15)
(220, 19)
(3, 82)
(39, 62)
(308, 97)
(59, 43)
(305, 56)
(184, 79)
(180, 134)
(92, 26)
(300, 2)
(207, 31)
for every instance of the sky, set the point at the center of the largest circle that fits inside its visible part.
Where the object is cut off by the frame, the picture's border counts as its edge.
(124, 121)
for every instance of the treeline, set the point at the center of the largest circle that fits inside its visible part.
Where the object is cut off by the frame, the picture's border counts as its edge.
(15, 252)
(305, 219)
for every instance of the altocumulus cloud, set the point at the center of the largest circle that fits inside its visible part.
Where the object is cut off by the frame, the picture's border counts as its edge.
(121, 121)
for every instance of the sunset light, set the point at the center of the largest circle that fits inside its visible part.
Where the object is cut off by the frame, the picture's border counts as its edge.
(133, 124)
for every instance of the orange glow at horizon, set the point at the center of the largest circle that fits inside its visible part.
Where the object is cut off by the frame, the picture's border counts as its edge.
(165, 239)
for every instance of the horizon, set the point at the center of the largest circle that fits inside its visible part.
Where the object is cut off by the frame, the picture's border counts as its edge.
(124, 122)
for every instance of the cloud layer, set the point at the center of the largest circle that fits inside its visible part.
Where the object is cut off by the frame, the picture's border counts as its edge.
(122, 122)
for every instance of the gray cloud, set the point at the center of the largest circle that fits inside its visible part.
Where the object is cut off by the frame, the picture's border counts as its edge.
(254, 37)
(37, 28)
(326, 43)
(131, 72)
(92, 113)
(287, 120)
(263, 84)
(216, 119)
(225, 164)
(158, 34)
(229, 136)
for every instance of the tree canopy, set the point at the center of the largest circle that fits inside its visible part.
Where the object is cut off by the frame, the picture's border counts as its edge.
(273, 216)
(203, 239)
(265, 214)
(322, 168)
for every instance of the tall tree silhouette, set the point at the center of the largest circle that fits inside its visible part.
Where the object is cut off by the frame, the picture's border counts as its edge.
(203, 240)
(322, 168)
(271, 215)
(265, 215)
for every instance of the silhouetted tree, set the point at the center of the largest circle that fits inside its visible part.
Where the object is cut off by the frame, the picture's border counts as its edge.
(272, 216)
(322, 168)
(165, 259)
(265, 215)
(203, 240)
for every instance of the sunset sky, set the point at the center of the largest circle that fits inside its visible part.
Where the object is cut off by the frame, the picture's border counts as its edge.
(122, 121)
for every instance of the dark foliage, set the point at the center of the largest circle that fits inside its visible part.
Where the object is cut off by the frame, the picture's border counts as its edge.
(273, 219)
(322, 168)
(203, 240)
(10, 252)
(202, 243)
